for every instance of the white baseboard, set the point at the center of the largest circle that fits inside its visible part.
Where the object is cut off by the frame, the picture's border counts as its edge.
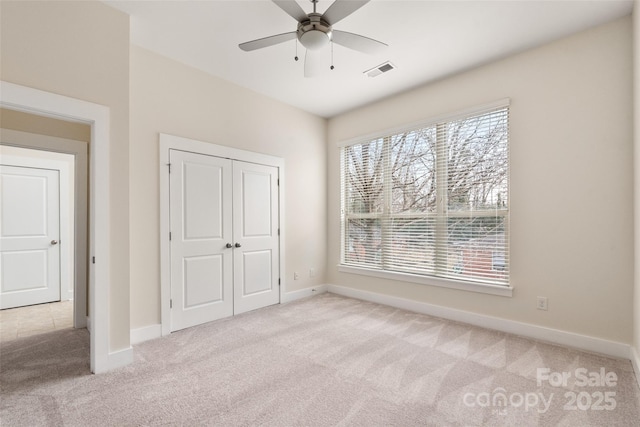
(635, 361)
(555, 336)
(145, 334)
(120, 358)
(80, 322)
(303, 293)
(113, 360)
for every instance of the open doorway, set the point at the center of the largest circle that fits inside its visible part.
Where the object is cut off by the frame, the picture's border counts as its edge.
(46, 273)
(46, 104)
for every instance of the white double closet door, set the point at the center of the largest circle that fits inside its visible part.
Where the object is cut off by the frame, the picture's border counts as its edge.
(224, 245)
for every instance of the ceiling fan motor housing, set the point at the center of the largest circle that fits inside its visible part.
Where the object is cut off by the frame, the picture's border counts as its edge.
(314, 33)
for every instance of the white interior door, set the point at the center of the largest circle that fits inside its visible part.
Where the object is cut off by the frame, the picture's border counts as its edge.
(200, 216)
(29, 236)
(255, 233)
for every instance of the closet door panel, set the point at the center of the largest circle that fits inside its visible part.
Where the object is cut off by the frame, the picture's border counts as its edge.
(256, 252)
(201, 226)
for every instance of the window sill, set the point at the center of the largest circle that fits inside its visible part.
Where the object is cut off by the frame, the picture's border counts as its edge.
(504, 291)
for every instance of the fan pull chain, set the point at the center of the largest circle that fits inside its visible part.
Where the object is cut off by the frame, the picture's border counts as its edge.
(332, 67)
(296, 57)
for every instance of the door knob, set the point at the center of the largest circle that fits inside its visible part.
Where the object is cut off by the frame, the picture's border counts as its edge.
(54, 242)
(238, 245)
(229, 245)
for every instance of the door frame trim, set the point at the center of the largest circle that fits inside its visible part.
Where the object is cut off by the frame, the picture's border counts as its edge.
(47, 104)
(171, 142)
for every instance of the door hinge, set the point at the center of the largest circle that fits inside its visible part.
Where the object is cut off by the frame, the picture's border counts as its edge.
(93, 260)
(278, 281)
(278, 181)
(278, 231)
(169, 164)
(170, 303)
(169, 236)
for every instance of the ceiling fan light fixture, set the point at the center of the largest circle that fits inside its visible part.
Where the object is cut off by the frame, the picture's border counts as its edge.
(314, 39)
(315, 31)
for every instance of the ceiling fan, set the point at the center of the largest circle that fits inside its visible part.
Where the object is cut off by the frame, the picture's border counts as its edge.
(315, 31)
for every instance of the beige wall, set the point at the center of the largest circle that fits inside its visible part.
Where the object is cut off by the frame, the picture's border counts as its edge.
(25, 122)
(81, 50)
(168, 97)
(571, 181)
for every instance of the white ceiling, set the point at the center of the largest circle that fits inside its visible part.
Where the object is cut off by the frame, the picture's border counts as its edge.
(427, 40)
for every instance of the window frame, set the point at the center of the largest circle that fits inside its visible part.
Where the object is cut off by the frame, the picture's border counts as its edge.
(433, 280)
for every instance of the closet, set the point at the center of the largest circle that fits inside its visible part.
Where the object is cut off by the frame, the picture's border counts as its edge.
(224, 237)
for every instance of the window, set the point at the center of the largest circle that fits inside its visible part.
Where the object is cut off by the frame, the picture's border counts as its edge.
(432, 200)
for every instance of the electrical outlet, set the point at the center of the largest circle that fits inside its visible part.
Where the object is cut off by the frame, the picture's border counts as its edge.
(312, 272)
(542, 303)
(296, 275)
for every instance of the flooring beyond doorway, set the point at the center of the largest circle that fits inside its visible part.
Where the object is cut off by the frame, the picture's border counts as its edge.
(35, 319)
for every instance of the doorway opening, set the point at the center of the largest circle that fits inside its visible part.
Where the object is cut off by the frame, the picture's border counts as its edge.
(44, 239)
(45, 104)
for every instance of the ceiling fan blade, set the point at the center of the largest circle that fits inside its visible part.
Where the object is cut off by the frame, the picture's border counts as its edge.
(312, 63)
(292, 8)
(357, 42)
(340, 9)
(267, 41)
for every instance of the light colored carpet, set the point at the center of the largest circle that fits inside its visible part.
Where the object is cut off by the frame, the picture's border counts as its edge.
(322, 361)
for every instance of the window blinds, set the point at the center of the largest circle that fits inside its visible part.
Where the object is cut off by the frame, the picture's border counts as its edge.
(431, 200)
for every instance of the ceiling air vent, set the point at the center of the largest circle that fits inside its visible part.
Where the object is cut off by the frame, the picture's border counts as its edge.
(382, 68)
